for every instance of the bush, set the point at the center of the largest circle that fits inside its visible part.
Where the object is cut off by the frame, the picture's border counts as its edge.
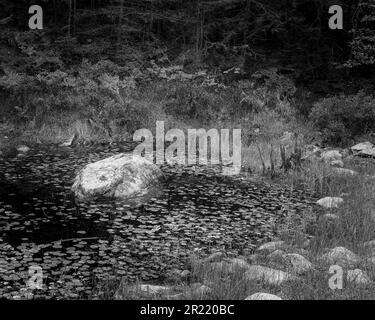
(342, 118)
(191, 101)
(269, 90)
(94, 90)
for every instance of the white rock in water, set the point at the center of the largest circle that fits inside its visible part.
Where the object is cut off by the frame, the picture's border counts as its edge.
(364, 149)
(330, 202)
(263, 296)
(23, 149)
(119, 176)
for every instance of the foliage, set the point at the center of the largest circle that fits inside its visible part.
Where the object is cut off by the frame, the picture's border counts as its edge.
(268, 90)
(95, 89)
(342, 117)
(363, 42)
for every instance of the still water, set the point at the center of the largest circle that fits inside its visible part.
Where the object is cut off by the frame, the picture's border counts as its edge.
(78, 244)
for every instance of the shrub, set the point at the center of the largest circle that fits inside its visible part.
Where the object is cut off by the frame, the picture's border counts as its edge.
(269, 90)
(342, 118)
(191, 101)
(93, 90)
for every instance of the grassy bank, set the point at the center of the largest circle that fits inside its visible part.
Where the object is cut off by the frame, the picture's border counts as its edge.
(102, 103)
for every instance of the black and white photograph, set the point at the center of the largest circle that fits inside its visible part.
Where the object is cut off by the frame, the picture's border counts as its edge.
(187, 155)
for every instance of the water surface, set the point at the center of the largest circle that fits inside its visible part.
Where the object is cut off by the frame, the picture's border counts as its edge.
(78, 244)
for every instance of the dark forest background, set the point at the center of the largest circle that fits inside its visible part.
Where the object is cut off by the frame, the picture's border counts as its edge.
(285, 46)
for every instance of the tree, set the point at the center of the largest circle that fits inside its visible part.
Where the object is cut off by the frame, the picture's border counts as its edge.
(363, 43)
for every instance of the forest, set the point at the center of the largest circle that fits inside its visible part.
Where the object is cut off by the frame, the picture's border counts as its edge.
(233, 42)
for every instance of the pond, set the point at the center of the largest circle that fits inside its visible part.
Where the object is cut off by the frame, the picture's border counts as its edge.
(77, 244)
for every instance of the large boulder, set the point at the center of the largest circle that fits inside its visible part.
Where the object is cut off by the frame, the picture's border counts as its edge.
(120, 176)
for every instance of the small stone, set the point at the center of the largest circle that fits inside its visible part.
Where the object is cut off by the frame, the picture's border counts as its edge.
(358, 276)
(23, 149)
(263, 296)
(330, 202)
(271, 246)
(340, 256)
(364, 149)
(178, 296)
(298, 263)
(151, 289)
(268, 275)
